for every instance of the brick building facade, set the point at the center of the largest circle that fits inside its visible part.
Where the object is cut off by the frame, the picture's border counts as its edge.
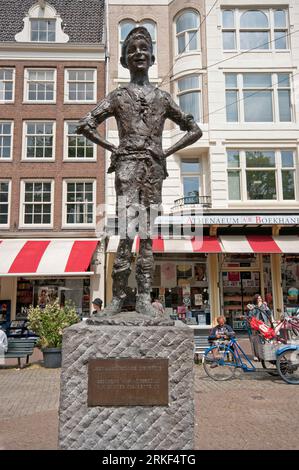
(52, 72)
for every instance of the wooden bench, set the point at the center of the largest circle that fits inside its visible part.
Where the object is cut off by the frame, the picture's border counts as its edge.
(20, 347)
(201, 343)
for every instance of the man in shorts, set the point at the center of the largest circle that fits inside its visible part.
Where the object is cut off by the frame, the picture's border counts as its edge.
(139, 162)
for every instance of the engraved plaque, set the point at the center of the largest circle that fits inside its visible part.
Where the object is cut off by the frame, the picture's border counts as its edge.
(127, 382)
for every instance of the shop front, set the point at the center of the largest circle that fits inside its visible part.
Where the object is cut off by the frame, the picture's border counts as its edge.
(182, 278)
(258, 264)
(220, 275)
(36, 272)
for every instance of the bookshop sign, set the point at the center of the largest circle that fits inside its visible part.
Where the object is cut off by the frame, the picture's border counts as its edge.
(228, 220)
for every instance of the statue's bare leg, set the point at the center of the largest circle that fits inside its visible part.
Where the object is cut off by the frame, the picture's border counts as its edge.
(120, 275)
(144, 275)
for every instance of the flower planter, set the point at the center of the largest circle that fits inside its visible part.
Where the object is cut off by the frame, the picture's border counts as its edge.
(52, 358)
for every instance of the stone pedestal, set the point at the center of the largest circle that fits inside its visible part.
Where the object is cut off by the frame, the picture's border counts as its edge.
(126, 427)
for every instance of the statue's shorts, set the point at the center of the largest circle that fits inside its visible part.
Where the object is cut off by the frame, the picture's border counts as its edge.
(139, 179)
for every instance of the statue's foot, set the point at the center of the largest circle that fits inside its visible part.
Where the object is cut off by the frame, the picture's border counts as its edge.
(144, 306)
(113, 308)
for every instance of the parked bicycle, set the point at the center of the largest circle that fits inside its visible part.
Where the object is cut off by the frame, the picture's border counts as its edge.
(221, 360)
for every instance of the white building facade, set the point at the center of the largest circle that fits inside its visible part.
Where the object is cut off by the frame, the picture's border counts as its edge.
(234, 66)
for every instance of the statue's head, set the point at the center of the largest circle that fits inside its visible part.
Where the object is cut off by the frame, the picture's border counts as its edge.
(137, 50)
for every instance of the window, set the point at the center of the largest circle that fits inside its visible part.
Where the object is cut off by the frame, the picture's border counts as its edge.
(234, 175)
(79, 203)
(4, 202)
(267, 175)
(80, 85)
(189, 95)
(43, 30)
(6, 85)
(191, 171)
(37, 203)
(40, 85)
(255, 29)
(260, 175)
(288, 174)
(258, 97)
(39, 140)
(187, 32)
(42, 24)
(77, 146)
(5, 140)
(126, 26)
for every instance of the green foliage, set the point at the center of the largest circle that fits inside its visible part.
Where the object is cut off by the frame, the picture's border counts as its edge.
(49, 322)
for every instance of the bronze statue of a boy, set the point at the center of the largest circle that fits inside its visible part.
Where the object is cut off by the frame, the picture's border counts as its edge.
(139, 162)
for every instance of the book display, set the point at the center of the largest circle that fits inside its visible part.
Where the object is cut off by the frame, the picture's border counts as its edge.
(24, 298)
(239, 287)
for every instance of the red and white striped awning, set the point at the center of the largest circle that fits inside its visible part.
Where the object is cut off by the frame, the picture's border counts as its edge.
(223, 244)
(259, 244)
(45, 257)
(183, 245)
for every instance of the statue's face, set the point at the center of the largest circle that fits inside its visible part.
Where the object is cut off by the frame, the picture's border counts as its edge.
(139, 56)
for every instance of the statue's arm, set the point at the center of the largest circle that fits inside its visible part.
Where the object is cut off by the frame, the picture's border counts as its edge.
(186, 123)
(87, 126)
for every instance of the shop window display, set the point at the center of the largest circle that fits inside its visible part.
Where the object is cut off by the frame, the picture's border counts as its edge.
(239, 287)
(290, 283)
(183, 284)
(42, 291)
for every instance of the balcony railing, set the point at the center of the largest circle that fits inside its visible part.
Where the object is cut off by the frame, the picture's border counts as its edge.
(203, 201)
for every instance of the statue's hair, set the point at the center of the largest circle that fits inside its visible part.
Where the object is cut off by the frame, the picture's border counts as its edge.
(140, 32)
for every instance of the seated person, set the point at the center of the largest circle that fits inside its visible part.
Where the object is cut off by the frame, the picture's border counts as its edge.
(221, 331)
(3, 343)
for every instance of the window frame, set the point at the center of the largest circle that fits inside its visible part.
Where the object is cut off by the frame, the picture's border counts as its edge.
(11, 140)
(135, 24)
(4, 101)
(272, 29)
(277, 169)
(187, 174)
(190, 90)
(65, 182)
(66, 84)
(186, 33)
(237, 169)
(5, 180)
(27, 81)
(23, 203)
(53, 20)
(65, 146)
(24, 141)
(275, 87)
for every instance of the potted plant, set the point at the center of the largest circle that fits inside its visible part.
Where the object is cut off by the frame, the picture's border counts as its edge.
(48, 323)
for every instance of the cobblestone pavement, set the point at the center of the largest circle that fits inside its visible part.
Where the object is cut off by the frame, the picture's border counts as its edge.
(253, 411)
(28, 408)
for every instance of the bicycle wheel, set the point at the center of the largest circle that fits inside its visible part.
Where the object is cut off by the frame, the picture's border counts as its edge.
(288, 366)
(219, 362)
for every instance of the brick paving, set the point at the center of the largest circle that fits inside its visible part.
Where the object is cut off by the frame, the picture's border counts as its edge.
(29, 408)
(252, 411)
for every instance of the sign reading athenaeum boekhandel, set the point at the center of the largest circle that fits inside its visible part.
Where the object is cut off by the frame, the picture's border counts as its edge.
(228, 219)
(127, 382)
